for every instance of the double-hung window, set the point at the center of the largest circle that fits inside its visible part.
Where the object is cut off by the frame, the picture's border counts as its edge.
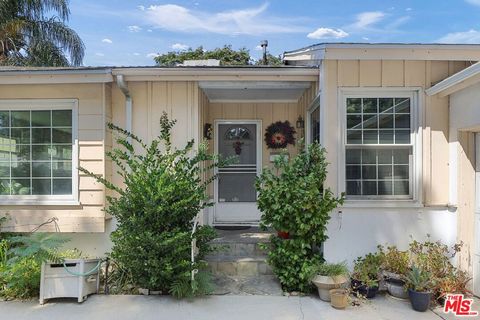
(379, 142)
(37, 150)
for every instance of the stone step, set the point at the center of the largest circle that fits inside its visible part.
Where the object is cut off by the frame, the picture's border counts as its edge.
(239, 266)
(265, 285)
(237, 249)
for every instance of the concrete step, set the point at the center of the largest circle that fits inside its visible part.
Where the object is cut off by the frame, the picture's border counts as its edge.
(239, 266)
(264, 285)
(237, 249)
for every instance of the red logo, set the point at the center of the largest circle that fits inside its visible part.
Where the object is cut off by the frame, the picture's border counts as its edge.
(459, 306)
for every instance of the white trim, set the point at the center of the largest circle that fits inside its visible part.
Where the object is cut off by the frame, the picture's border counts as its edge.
(416, 96)
(455, 79)
(253, 100)
(48, 104)
(259, 160)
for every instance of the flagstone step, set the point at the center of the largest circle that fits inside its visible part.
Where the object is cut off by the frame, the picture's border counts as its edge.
(239, 266)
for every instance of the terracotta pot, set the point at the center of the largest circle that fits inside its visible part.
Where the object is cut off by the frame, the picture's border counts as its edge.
(339, 298)
(283, 234)
(325, 283)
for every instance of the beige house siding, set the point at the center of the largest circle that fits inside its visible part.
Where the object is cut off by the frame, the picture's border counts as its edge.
(88, 216)
(396, 74)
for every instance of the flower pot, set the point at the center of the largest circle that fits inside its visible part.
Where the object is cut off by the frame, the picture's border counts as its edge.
(396, 289)
(283, 234)
(325, 283)
(339, 298)
(360, 288)
(420, 300)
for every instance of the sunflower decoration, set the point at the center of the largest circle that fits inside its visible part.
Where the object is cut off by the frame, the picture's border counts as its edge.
(279, 134)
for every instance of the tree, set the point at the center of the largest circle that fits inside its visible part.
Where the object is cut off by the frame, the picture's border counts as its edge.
(34, 33)
(271, 60)
(226, 55)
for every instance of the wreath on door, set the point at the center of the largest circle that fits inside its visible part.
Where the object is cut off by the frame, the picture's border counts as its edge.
(279, 134)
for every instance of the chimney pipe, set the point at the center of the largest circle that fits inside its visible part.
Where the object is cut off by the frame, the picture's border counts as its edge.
(264, 45)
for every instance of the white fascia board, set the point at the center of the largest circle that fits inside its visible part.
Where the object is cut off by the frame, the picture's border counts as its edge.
(55, 76)
(454, 79)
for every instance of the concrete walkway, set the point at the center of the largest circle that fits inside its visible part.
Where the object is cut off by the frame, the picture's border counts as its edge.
(211, 308)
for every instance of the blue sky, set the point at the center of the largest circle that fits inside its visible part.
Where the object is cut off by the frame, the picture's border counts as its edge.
(130, 32)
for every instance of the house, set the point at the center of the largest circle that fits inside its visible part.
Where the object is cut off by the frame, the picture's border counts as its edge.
(397, 120)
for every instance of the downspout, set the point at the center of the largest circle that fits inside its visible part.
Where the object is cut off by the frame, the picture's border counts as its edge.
(128, 102)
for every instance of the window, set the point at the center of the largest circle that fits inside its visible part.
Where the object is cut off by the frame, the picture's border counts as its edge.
(37, 150)
(315, 124)
(379, 147)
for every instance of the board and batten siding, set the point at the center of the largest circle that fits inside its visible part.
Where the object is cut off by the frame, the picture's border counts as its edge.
(88, 216)
(384, 74)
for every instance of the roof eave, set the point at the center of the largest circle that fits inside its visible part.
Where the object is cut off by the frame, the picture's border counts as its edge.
(456, 82)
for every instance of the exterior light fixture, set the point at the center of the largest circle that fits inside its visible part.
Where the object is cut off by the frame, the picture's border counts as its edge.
(300, 123)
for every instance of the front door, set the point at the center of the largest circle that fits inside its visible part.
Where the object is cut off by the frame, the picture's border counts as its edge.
(235, 195)
(476, 257)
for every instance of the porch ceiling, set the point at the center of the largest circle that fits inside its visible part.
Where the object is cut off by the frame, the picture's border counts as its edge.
(245, 91)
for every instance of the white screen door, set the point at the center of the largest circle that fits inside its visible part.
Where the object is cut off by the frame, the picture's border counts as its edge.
(235, 194)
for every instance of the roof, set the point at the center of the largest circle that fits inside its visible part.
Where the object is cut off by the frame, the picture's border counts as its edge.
(456, 82)
(385, 51)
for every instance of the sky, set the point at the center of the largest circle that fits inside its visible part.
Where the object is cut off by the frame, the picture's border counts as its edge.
(133, 32)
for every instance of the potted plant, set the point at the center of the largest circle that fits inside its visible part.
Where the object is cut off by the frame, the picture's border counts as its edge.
(339, 298)
(330, 276)
(366, 274)
(395, 266)
(419, 284)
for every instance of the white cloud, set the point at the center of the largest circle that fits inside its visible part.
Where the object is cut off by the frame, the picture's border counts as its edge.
(366, 19)
(408, 9)
(99, 54)
(134, 28)
(136, 54)
(106, 40)
(474, 2)
(179, 46)
(327, 33)
(259, 48)
(149, 30)
(470, 36)
(141, 8)
(253, 21)
(152, 55)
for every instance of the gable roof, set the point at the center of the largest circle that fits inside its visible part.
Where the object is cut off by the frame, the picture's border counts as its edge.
(456, 82)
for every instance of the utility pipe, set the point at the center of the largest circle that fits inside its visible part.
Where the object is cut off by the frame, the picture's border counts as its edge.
(128, 101)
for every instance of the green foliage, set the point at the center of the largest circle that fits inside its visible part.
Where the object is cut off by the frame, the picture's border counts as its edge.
(271, 60)
(332, 269)
(163, 193)
(419, 280)
(292, 198)
(367, 269)
(34, 33)
(186, 288)
(37, 246)
(394, 260)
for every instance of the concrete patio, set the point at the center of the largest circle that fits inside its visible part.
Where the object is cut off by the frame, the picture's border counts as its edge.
(211, 308)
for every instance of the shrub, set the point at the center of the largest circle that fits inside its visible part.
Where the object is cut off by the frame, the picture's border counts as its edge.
(163, 192)
(419, 280)
(292, 199)
(367, 269)
(394, 260)
(332, 269)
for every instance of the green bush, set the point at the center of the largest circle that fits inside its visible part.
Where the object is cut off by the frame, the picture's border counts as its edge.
(292, 199)
(366, 269)
(163, 192)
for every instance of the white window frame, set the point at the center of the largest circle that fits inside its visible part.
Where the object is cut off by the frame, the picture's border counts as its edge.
(416, 112)
(308, 130)
(47, 104)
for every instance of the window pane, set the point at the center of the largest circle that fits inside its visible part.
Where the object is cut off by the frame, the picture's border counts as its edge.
(41, 169)
(20, 186)
(402, 136)
(41, 186)
(401, 156)
(353, 156)
(384, 156)
(61, 152)
(5, 152)
(315, 125)
(370, 122)
(61, 169)
(385, 121)
(369, 172)
(401, 188)
(402, 121)
(62, 135)
(40, 152)
(369, 188)
(4, 186)
(4, 119)
(386, 136)
(385, 188)
(353, 172)
(20, 169)
(20, 118)
(20, 136)
(370, 105)
(370, 136)
(384, 172)
(354, 121)
(5, 136)
(62, 118)
(354, 105)
(400, 172)
(386, 105)
(41, 135)
(354, 136)
(4, 169)
(62, 186)
(21, 152)
(354, 188)
(41, 119)
(402, 105)
(369, 156)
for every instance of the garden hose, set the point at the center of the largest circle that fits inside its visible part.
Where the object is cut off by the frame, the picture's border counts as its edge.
(93, 270)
